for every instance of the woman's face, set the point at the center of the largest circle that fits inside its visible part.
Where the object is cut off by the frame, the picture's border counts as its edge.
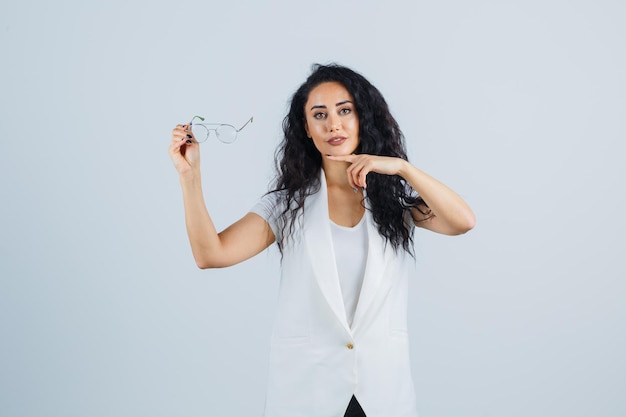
(331, 119)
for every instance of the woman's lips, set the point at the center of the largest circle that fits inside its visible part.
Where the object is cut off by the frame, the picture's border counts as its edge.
(336, 141)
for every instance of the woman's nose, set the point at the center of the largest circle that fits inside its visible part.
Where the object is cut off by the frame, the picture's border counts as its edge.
(334, 123)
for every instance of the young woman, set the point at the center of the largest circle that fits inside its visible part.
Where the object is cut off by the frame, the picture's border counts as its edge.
(342, 211)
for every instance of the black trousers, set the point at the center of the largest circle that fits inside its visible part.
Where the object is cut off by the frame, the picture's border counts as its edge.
(354, 409)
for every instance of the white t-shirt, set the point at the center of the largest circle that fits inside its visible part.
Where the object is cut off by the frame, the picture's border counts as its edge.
(350, 246)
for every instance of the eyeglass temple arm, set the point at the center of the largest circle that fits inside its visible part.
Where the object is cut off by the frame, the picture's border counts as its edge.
(246, 124)
(196, 117)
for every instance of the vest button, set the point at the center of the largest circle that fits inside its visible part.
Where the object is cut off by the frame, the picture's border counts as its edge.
(350, 346)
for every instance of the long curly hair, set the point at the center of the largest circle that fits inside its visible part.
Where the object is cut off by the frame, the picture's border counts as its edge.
(298, 161)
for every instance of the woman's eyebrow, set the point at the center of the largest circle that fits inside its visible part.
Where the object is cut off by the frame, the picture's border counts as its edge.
(322, 106)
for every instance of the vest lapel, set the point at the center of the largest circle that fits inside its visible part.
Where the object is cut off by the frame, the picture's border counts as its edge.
(376, 281)
(320, 250)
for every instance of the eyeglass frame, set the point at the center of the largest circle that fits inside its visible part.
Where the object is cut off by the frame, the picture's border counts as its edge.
(205, 125)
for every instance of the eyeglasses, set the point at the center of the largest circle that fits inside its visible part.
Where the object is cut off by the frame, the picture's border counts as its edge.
(225, 133)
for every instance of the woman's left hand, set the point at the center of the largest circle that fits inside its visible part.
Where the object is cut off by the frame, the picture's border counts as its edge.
(361, 165)
(448, 213)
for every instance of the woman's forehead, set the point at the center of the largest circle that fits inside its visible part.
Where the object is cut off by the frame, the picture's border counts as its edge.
(329, 93)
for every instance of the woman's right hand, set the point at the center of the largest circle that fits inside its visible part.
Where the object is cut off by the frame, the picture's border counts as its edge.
(240, 241)
(184, 150)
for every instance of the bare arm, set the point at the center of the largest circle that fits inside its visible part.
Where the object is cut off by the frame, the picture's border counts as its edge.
(449, 214)
(240, 241)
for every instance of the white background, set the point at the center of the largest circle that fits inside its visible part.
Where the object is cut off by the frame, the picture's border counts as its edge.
(517, 105)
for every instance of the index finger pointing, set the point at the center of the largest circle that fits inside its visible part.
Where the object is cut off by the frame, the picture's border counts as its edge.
(343, 158)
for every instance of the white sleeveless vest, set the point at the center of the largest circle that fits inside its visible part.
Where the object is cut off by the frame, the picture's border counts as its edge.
(317, 362)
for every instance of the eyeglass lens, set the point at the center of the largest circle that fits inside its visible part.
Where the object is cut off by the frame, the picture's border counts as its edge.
(224, 133)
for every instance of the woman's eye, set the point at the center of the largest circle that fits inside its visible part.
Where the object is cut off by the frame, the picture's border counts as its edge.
(345, 111)
(319, 115)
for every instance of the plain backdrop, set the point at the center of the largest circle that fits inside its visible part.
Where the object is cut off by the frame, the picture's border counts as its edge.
(519, 106)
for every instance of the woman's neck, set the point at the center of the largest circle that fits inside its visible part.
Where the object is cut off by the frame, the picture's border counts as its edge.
(335, 173)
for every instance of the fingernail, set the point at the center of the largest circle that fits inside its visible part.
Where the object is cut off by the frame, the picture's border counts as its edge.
(189, 136)
(189, 142)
